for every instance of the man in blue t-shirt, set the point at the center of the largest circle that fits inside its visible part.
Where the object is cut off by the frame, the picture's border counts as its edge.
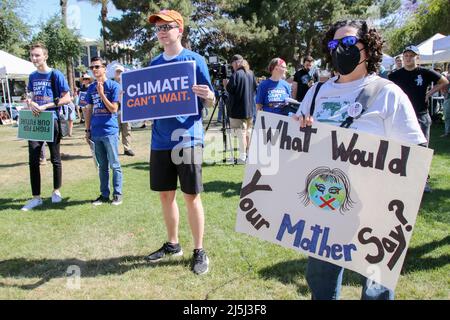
(176, 149)
(102, 129)
(45, 98)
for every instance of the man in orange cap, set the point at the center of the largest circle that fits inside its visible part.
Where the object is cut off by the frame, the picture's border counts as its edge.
(164, 171)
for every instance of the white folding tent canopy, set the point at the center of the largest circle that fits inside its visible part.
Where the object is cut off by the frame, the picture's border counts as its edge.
(429, 53)
(387, 61)
(12, 67)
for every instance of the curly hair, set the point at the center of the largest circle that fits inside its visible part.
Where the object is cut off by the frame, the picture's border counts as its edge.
(368, 36)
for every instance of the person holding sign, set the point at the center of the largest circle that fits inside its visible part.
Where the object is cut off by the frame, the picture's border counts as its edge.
(49, 90)
(102, 129)
(355, 52)
(85, 82)
(176, 147)
(272, 93)
(124, 128)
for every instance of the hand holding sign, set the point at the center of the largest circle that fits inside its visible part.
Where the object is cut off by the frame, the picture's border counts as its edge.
(203, 92)
(34, 107)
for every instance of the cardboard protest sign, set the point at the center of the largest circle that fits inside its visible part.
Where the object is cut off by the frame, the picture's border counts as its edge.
(339, 195)
(38, 128)
(157, 92)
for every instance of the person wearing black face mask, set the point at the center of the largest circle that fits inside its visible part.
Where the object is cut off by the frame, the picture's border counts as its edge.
(355, 52)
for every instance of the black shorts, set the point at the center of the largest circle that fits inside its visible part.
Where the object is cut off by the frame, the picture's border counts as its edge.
(186, 164)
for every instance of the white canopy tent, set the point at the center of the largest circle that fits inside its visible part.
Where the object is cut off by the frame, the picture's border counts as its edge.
(429, 53)
(387, 61)
(12, 67)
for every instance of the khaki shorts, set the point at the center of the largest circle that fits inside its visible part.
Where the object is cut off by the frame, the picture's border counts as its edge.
(244, 124)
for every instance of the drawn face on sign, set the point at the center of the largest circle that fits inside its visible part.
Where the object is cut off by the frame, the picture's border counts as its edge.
(328, 190)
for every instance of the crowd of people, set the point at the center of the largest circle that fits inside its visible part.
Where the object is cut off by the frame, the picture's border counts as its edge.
(398, 111)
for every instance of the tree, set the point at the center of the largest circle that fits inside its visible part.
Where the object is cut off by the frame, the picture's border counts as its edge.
(69, 60)
(103, 18)
(62, 43)
(431, 17)
(14, 32)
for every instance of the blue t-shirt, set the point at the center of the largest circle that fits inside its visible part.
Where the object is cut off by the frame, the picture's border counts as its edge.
(103, 122)
(41, 86)
(271, 94)
(188, 130)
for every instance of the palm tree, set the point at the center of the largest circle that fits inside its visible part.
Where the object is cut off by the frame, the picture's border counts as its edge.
(69, 63)
(104, 18)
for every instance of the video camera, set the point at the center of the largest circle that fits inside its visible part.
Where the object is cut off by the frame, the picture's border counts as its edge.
(219, 70)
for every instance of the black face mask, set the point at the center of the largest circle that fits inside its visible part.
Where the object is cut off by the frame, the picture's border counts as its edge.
(346, 59)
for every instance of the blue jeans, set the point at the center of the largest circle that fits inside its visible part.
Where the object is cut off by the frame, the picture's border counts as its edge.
(107, 154)
(447, 116)
(425, 125)
(325, 281)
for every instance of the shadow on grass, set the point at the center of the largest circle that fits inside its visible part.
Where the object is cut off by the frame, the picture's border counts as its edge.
(415, 259)
(226, 188)
(435, 206)
(12, 165)
(439, 144)
(290, 272)
(48, 269)
(66, 157)
(145, 166)
(17, 204)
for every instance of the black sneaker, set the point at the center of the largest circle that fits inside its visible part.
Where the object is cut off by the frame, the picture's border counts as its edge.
(117, 200)
(129, 153)
(167, 250)
(100, 200)
(201, 262)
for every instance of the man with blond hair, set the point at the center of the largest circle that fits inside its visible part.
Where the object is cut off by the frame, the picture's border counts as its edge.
(164, 169)
(49, 91)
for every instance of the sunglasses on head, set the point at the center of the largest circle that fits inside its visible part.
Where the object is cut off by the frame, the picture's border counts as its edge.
(165, 27)
(96, 67)
(346, 41)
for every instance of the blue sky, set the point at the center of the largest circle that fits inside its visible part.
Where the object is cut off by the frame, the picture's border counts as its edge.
(81, 13)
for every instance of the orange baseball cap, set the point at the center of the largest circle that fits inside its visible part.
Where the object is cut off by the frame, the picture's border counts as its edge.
(169, 16)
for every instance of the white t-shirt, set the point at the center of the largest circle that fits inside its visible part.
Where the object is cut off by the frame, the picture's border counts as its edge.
(391, 114)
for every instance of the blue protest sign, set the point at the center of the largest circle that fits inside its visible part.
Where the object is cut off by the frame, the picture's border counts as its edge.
(82, 99)
(163, 91)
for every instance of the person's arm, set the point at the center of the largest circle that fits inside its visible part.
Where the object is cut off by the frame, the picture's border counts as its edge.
(294, 89)
(111, 106)
(87, 121)
(441, 84)
(65, 99)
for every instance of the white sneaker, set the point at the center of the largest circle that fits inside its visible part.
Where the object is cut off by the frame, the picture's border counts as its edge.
(31, 204)
(240, 161)
(56, 197)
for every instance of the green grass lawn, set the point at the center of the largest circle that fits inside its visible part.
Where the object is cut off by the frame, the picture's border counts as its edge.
(39, 249)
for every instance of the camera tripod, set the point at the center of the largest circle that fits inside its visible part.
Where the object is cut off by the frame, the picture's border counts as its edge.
(226, 129)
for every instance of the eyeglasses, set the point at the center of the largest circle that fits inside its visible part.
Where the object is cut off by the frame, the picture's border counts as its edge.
(85, 78)
(96, 67)
(165, 27)
(346, 41)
